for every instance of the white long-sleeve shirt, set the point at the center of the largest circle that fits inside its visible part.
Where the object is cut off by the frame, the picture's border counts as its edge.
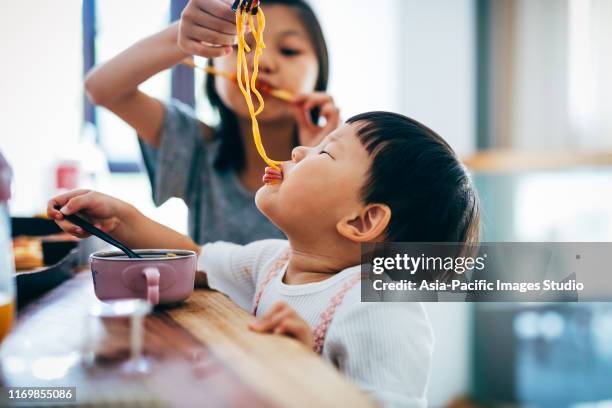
(384, 348)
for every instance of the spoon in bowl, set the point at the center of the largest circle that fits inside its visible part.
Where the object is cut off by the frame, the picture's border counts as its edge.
(87, 226)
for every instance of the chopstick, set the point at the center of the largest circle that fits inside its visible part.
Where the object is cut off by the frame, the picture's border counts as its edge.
(277, 93)
(76, 220)
(209, 70)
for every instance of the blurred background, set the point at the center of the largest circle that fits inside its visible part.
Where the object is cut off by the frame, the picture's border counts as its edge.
(520, 88)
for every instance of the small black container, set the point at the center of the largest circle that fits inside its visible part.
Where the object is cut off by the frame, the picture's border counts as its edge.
(60, 258)
(34, 227)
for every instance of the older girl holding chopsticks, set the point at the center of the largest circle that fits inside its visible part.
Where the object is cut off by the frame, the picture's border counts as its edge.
(216, 169)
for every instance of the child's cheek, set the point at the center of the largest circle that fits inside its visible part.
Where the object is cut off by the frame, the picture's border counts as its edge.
(305, 198)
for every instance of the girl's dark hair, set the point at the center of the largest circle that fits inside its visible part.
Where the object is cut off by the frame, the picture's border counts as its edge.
(417, 174)
(230, 155)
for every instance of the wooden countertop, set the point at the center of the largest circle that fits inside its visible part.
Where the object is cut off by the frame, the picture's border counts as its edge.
(201, 353)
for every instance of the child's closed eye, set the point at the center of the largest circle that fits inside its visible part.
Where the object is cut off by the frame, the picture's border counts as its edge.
(326, 152)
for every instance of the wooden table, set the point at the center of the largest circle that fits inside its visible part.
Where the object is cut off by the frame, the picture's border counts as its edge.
(201, 353)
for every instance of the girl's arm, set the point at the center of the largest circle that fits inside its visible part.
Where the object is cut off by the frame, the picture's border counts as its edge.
(114, 84)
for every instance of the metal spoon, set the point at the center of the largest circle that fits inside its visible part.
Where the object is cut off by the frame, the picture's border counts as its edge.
(75, 219)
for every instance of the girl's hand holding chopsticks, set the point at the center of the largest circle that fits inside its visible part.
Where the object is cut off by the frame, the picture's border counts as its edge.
(207, 28)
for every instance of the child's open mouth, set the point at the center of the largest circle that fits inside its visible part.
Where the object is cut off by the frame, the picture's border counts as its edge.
(272, 176)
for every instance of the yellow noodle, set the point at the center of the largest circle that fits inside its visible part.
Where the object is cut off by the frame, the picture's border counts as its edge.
(241, 64)
(260, 45)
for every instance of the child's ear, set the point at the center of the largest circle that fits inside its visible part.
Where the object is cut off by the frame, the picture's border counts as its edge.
(366, 226)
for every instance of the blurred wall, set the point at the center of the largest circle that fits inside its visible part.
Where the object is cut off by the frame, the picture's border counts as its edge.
(409, 56)
(436, 81)
(550, 87)
(40, 102)
(540, 117)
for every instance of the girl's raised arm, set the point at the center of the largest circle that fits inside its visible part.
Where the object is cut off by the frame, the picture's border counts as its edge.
(207, 28)
(114, 84)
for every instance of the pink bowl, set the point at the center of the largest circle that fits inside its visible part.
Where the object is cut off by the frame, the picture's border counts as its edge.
(155, 277)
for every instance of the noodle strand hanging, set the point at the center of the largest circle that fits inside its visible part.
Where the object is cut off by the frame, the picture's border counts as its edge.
(246, 85)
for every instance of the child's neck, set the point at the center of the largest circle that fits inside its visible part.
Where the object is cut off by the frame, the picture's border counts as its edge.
(277, 138)
(319, 261)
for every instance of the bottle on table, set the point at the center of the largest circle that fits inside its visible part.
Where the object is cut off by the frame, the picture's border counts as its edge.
(7, 265)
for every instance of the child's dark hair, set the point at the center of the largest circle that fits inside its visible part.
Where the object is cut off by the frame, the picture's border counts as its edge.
(418, 175)
(231, 150)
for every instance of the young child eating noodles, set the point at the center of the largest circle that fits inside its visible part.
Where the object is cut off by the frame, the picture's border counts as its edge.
(382, 177)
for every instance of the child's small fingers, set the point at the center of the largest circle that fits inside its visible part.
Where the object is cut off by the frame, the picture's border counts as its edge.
(268, 324)
(83, 202)
(287, 326)
(79, 232)
(52, 212)
(61, 200)
(65, 225)
(74, 205)
(297, 329)
(278, 306)
(72, 229)
(281, 328)
(266, 321)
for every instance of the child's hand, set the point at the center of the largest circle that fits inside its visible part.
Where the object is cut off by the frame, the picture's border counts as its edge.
(207, 28)
(311, 133)
(101, 210)
(282, 319)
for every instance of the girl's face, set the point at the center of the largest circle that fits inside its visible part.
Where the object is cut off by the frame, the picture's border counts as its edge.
(288, 62)
(321, 185)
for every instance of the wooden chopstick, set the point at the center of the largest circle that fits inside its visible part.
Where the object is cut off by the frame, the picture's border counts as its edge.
(277, 93)
(209, 70)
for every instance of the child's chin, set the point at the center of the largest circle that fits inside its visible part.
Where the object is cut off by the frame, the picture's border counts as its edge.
(267, 206)
(268, 189)
(264, 198)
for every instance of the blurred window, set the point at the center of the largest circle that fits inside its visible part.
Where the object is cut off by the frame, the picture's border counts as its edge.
(119, 24)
